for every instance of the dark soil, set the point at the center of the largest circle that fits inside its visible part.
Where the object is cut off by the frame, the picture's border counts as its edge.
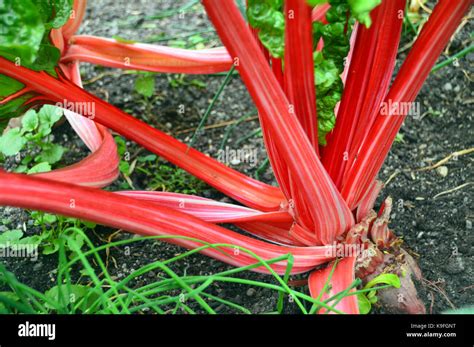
(437, 230)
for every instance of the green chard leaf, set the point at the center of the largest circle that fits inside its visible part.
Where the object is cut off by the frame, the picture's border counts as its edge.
(21, 30)
(24, 39)
(329, 64)
(268, 18)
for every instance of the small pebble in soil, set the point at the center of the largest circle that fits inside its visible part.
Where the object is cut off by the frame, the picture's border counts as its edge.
(251, 292)
(442, 171)
(448, 87)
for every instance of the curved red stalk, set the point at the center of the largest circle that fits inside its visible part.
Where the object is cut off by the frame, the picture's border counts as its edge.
(273, 232)
(99, 169)
(341, 279)
(250, 192)
(207, 209)
(325, 213)
(270, 226)
(72, 25)
(57, 39)
(140, 56)
(433, 38)
(299, 67)
(147, 219)
(369, 73)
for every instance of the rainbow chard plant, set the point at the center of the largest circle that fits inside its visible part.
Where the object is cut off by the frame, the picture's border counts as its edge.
(318, 73)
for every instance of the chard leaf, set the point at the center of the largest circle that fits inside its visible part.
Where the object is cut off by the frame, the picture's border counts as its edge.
(329, 64)
(54, 13)
(21, 30)
(268, 18)
(24, 39)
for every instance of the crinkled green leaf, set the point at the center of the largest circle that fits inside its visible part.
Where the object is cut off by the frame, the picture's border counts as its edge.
(62, 11)
(268, 18)
(21, 30)
(12, 142)
(54, 13)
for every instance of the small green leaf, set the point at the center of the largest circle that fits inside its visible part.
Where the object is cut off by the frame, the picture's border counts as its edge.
(121, 145)
(10, 237)
(12, 142)
(41, 167)
(124, 167)
(48, 115)
(51, 153)
(29, 121)
(87, 224)
(145, 85)
(73, 294)
(364, 304)
(51, 248)
(21, 169)
(390, 279)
